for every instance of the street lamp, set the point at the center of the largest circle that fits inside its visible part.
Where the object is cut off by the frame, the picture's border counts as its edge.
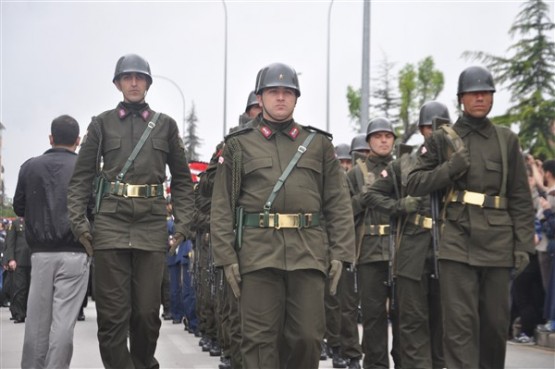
(328, 73)
(225, 66)
(182, 97)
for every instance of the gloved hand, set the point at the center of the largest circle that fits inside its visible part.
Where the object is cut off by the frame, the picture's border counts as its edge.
(86, 241)
(174, 241)
(233, 277)
(459, 163)
(521, 261)
(335, 273)
(409, 204)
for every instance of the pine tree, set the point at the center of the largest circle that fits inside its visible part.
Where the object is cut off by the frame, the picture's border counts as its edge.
(528, 72)
(191, 141)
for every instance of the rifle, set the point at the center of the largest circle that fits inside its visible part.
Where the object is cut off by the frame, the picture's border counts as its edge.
(435, 201)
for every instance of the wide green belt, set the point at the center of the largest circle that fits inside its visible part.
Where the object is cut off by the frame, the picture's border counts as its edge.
(130, 190)
(479, 199)
(277, 220)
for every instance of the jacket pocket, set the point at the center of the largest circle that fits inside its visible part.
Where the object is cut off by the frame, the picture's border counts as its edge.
(258, 163)
(160, 144)
(109, 205)
(498, 217)
(310, 163)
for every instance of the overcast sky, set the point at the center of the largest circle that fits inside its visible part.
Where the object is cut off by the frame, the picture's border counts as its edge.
(58, 57)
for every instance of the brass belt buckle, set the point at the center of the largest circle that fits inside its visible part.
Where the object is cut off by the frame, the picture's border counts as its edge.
(382, 229)
(474, 198)
(132, 191)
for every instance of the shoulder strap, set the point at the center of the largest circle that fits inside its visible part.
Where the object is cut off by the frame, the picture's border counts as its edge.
(300, 151)
(138, 147)
(503, 147)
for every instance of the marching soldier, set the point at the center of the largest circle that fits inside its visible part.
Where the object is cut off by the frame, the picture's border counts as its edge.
(130, 237)
(277, 179)
(418, 300)
(487, 227)
(373, 249)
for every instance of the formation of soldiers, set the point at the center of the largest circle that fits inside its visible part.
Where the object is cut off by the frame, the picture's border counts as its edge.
(403, 202)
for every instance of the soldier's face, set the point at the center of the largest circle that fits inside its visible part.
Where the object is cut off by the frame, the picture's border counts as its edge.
(254, 111)
(133, 86)
(381, 143)
(426, 131)
(477, 104)
(278, 103)
(346, 164)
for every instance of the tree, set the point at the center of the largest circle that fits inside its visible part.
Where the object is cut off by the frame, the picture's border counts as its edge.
(191, 141)
(528, 72)
(384, 93)
(353, 99)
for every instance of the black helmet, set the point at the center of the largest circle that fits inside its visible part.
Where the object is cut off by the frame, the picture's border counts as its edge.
(474, 79)
(379, 125)
(132, 63)
(251, 101)
(343, 151)
(359, 143)
(431, 110)
(277, 75)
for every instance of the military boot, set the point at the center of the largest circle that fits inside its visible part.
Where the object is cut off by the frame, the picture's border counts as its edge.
(337, 360)
(207, 345)
(203, 341)
(225, 362)
(215, 349)
(323, 351)
(354, 363)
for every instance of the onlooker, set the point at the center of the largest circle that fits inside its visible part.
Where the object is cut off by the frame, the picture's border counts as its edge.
(60, 264)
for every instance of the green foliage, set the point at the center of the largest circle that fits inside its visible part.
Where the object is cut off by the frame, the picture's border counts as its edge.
(383, 92)
(528, 72)
(353, 99)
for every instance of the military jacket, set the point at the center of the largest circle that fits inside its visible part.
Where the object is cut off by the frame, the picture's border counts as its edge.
(479, 236)
(372, 247)
(316, 185)
(414, 244)
(16, 245)
(123, 222)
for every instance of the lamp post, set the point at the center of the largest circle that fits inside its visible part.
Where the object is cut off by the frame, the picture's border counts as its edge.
(225, 66)
(328, 73)
(182, 98)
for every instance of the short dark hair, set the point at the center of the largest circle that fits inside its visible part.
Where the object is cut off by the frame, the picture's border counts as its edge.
(64, 130)
(549, 166)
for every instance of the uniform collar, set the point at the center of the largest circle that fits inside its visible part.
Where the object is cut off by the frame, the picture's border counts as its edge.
(124, 111)
(268, 130)
(466, 125)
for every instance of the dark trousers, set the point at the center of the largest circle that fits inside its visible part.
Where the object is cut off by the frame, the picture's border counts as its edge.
(283, 318)
(21, 280)
(374, 296)
(166, 294)
(475, 305)
(333, 317)
(128, 298)
(528, 296)
(420, 322)
(348, 294)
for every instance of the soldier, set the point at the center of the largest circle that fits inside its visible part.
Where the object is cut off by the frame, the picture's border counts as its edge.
(344, 156)
(359, 148)
(487, 227)
(130, 237)
(251, 110)
(18, 258)
(418, 300)
(373, 251)
(278, 262)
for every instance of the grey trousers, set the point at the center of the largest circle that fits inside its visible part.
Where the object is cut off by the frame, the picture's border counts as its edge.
(58, 286)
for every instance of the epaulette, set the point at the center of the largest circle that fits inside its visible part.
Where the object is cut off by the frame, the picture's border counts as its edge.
(314, 129)
(240, 131)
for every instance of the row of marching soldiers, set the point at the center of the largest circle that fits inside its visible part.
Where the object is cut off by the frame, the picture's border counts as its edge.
(395, 278)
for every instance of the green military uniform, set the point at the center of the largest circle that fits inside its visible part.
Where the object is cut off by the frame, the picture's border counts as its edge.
(282, 268)
(130, 236)
(418, 300)
(372, 265)
(17, 249)
(482, 229)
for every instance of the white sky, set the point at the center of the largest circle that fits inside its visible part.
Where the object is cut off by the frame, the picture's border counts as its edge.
(58, 57)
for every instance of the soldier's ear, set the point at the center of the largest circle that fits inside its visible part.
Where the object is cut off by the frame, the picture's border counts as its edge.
(51, 139)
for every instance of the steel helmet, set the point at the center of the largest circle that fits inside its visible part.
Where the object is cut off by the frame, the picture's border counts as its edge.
(343, 151)
(251, 101)
(359, 143)
(379, 125)
(474, 79)
(431, 110)
(277, 75)
(132, 63)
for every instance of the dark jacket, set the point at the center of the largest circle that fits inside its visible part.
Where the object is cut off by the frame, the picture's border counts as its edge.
(16, 245)
(41, 197)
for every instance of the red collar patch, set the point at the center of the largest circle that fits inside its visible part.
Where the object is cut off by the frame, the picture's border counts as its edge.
(293, 133)
(145, 114)
(122, 113)
(266, 131)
